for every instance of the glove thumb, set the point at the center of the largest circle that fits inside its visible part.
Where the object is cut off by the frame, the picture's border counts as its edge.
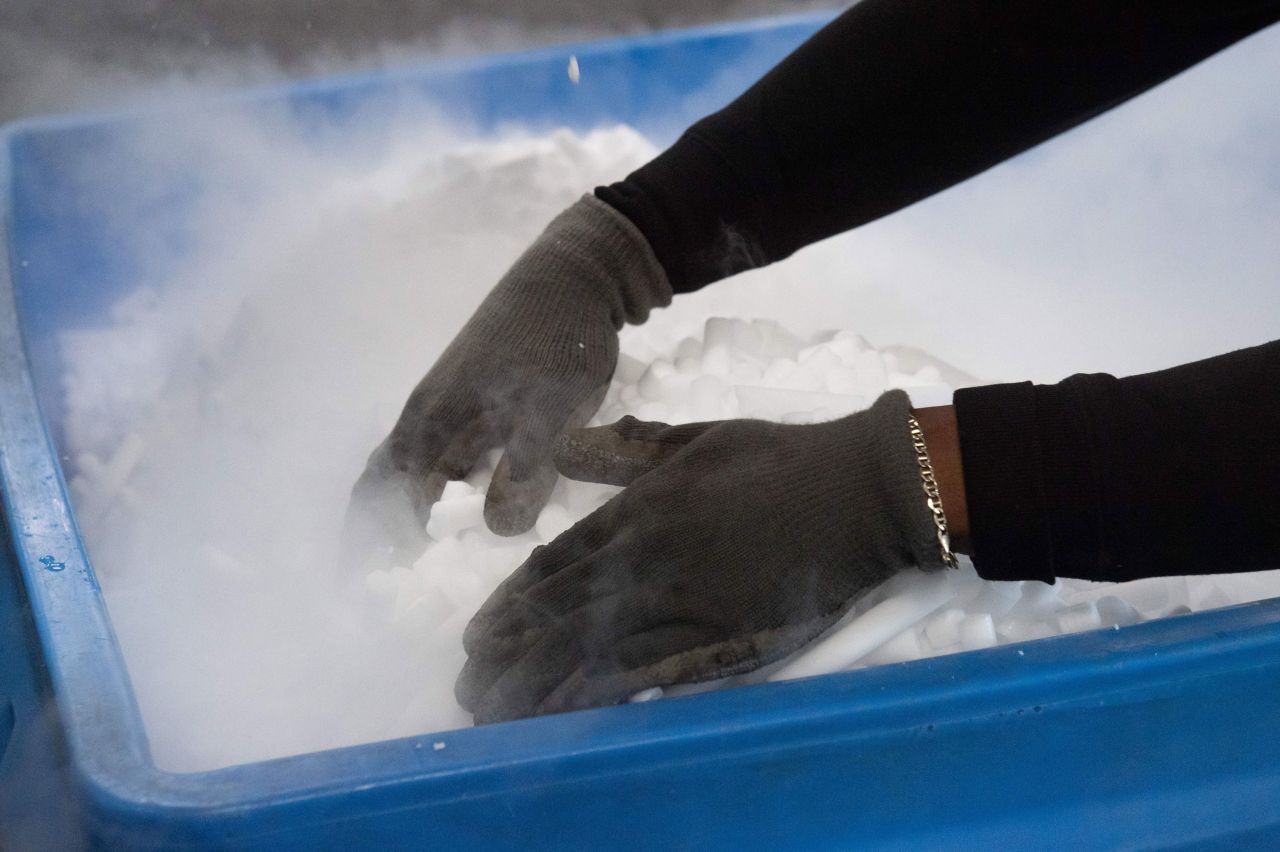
(618, 453)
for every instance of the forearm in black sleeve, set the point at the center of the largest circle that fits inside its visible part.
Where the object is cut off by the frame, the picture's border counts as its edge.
(1167, 473)
(896, 100)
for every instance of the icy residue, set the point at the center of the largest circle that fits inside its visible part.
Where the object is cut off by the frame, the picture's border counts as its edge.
(218, 420)
(218, 423)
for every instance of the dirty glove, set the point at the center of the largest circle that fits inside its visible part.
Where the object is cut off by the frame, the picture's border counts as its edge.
(534, 359)
(749, 541)
(621, 452)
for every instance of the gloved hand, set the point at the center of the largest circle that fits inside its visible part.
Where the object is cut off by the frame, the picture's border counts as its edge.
(749, 540)
(534, 359)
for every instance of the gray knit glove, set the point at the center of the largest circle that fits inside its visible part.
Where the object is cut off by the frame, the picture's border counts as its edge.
(534, 359)
(749, 541)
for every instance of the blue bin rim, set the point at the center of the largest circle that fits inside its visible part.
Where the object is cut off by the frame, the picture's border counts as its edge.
(430, 69)
(107, 746)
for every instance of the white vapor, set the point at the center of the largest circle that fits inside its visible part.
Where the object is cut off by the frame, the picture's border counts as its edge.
(252, 370)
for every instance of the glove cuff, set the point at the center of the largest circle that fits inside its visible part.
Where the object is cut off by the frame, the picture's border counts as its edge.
(906, 503)
(628, 273)
(879, 486)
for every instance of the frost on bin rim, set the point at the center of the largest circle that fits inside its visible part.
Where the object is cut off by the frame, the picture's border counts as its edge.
(448, 70)
(892, 703)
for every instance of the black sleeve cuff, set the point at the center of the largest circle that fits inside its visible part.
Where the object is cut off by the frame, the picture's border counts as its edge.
(1098, 478)
(1001, 457)
(1031, 481)
(701, 214)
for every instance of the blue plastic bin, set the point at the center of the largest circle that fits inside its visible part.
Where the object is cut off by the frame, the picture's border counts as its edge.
(1161, 734)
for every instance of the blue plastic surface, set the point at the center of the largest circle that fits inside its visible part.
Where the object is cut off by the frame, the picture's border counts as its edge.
(1155, 735)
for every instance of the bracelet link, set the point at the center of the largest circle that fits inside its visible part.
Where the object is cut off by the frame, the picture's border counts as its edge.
(933, 498)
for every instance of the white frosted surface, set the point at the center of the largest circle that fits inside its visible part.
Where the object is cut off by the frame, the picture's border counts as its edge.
(219, 415)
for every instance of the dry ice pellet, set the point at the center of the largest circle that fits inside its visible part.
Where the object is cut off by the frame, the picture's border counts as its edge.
(218, 419)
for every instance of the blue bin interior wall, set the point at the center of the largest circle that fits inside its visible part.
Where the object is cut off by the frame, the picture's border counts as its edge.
(1155, 735)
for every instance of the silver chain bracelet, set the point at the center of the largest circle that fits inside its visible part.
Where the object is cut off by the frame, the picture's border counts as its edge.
(932, 497)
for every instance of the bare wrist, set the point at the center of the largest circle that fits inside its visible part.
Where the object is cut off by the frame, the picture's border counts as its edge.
(942, 437)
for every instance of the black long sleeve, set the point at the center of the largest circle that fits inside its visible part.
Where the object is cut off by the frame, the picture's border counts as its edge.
(896, 100)
(1175, 472)
(1166, 473)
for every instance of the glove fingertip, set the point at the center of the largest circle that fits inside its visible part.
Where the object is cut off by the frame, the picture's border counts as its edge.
(477, 630)
(510, 513)
(520, 687)
(473, 682)
(512, 507)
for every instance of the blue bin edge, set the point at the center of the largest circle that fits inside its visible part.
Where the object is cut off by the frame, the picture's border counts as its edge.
(1159, 734)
